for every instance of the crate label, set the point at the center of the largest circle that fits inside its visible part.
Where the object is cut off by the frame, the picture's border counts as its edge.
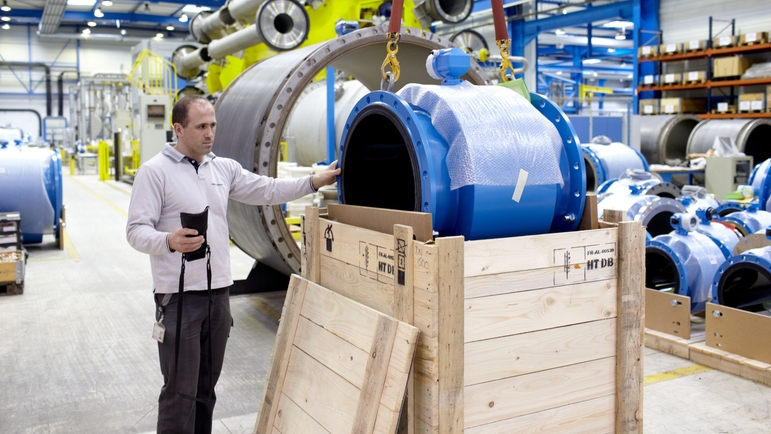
(648, 79)
(750, 37)
(669, 78)
(584, 263)
(722, 107)
(646, 50)
(671, 48)
(9, 228)
(757, 105)
(693, 75)
(744, 105)
(724, 40)
(376, 262)
(669, 109)
(694, 45)
(648, 109)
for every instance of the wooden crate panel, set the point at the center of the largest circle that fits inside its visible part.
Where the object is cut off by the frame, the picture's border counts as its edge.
(509, 356)
(568, 249)
(727, 330)
(291, 418)
(521, 312)
(344, 365)
(482, 286)
(350, 281)
(594, 416)
(504, 399)
(425, 266)
(372, 251)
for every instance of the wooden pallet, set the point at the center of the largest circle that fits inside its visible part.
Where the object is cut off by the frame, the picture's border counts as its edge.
(752, 111)
(516, 334)
(11, 288)
(697, 81)
(731, 110)
(714, 341)
(756, 42)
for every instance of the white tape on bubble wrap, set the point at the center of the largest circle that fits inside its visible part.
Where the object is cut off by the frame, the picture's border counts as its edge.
(520, 187)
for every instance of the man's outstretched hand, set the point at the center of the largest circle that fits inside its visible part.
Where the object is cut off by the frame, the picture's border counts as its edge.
(327, 177)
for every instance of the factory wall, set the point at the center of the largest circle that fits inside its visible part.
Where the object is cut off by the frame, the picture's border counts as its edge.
(20, 44)
(687, 20)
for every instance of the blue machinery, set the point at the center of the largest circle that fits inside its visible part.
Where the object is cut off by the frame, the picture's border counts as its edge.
(744, 281)
(31, 183)
(606, 162)
(393, 157)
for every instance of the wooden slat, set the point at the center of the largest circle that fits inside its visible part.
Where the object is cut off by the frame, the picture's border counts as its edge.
(427, 408)
(587, 417)
(631, 328)
(371, 251)
(375, 376)
(590, 218)
(613, 215)
(504, 399)
(731, 363)
(425, 266)
(404, 301)
(521, 312)
(290, 315)
(319, 392)
(347, 280)
(505, 255)
(291, 418)
(670, 344)
(451, 326)
(526, 280)
(382, 220)
(494, 359)
(668, 313)
(337, 354)
(310, 258)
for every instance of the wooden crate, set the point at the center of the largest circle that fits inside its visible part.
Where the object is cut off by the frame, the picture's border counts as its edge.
(536, 333)
(671, 79)
(694, 77)
(670, 49)
(731, 340)
(753, 38)
(11, 273)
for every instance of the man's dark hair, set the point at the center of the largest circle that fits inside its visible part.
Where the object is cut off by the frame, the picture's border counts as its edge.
(179, 112)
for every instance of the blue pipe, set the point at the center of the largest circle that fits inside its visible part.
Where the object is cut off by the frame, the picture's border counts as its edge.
(749, 221)
(760, 180)
(330, 115)
(744, 281)
(385, 133)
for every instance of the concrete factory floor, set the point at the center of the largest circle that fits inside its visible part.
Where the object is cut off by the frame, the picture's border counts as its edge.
(76, 354)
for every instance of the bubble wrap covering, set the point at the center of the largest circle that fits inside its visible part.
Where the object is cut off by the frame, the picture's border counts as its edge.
(493, 133)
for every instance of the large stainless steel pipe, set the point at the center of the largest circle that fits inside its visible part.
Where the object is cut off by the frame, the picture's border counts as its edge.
(446, 11)
(244, 9)
(219, 48)
(253, 110)
(213, 25)
(665, 137)
(751, 136)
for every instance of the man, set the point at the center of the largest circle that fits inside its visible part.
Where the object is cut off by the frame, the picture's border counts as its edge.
(188, 178)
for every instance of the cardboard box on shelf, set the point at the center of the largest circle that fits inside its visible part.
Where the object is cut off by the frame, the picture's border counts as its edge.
(752, 102)
(724, 41)
(649, 107)
(671, 48)
(768, 98)
(724, 107)
(671, 79)
(753, 38)
(650, 80)
(695, 45)
(683, 105)
(648, 51)
(733, 66)
(695, 77)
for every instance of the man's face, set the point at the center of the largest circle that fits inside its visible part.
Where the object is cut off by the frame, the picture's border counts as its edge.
(196, 139)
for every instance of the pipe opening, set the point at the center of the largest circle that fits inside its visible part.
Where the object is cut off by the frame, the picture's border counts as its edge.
(756, 144)
(591, 174)
(451, 7)
(660, 271)
(381, 168)
(659, 224)
(677, 139)
(745, 286)
(283, 23)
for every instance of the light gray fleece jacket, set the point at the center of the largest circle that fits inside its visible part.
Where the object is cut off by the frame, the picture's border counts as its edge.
(167, 185)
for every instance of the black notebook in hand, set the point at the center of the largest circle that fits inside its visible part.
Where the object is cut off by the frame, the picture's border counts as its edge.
(199, 222)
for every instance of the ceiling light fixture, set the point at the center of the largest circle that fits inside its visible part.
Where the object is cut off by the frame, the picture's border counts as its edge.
(91, 23)
(6, 18)
(5, 7)
(559, 32)
(159, 35)
(86, 31)
(122, 31)
(183, 18)
(170, 28)
(6, 26)
(630, 76)
(594, 74)
(98, 13)
(592, 61)
(107, 3)
(611, 50)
